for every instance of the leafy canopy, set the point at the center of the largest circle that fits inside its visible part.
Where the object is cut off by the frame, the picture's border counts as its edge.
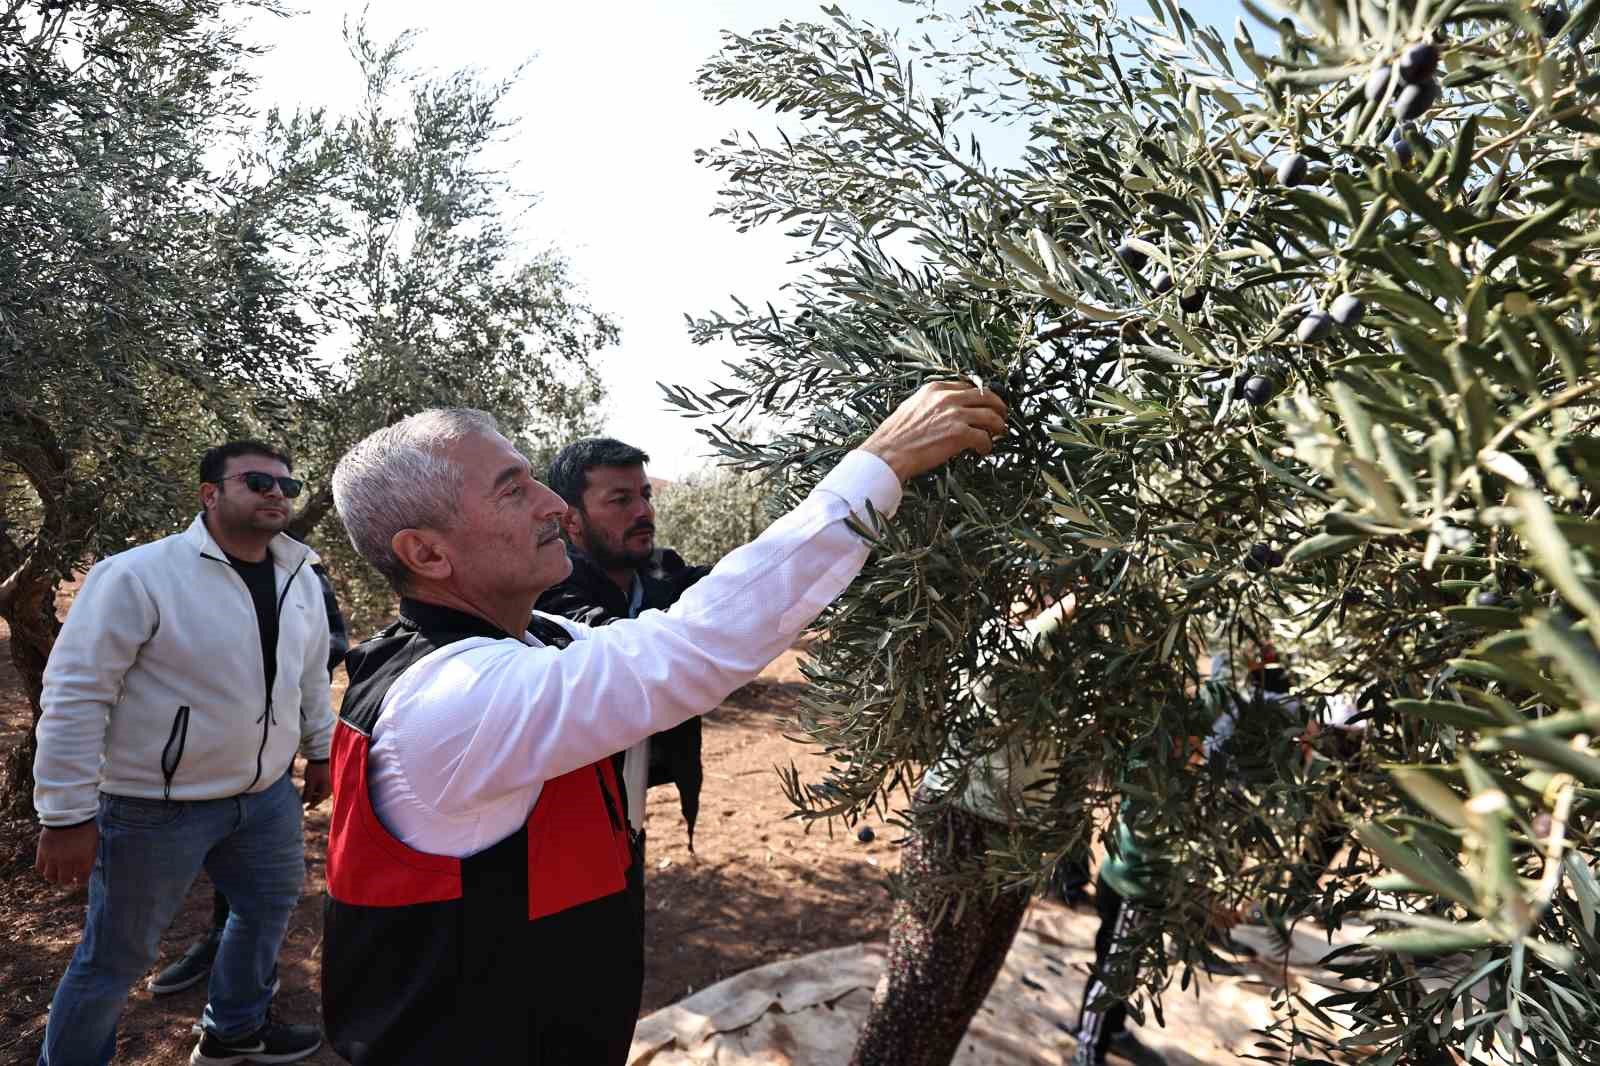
(1301, 350)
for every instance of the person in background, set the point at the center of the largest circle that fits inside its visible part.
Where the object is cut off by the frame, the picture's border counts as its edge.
(942, 964)
(190, 968)
(1332, 731)
(618, 572)
(188, 672)
(1124, 880)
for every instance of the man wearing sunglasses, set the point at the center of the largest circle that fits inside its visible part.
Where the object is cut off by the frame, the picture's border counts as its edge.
(188, 672)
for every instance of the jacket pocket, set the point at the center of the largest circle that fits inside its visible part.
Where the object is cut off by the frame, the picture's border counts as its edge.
(172, 751)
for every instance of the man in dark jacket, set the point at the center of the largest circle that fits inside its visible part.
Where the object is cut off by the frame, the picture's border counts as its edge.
(618, 572)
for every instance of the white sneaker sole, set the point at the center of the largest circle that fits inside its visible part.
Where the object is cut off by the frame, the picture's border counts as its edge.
(197, 1059)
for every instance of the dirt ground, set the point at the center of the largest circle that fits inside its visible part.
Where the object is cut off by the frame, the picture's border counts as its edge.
(759, 888)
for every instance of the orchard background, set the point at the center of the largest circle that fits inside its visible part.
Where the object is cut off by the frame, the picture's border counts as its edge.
(1298, 332)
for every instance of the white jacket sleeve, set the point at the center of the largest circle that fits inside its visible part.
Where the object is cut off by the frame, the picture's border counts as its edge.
(497, 718)
(316, 692)
(110, 620)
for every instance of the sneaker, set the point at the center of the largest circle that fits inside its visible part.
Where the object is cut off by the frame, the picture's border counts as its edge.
(273, 1042)
(189, 970)
(1125, 1047)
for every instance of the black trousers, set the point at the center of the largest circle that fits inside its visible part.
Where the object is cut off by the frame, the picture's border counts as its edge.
(1097, 1025)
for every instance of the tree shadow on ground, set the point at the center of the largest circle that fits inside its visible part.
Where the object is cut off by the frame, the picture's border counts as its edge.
(708, 921)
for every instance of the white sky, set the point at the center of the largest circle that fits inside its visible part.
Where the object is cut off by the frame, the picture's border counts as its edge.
(609, 122)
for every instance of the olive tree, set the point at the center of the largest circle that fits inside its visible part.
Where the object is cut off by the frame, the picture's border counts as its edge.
(1299, 343)
(176, 269)
(144, 290)
(710, 512)
(437, 297)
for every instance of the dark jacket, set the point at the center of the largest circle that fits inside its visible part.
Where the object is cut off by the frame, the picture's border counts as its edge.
(338, 635)
(591, 597)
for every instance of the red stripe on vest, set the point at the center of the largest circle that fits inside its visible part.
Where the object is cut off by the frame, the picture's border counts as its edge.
(575, 853)
(367, 865)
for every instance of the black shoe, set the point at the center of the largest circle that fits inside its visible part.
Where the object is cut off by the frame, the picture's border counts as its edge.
(1225, 942)
(189, 970)
(1127, 1048)
(273, 1042)
(1071, 891)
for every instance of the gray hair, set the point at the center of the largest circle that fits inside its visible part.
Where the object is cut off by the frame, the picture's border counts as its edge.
(400, 478)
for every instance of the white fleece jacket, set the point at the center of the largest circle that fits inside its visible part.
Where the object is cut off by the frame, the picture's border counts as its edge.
(156, 688)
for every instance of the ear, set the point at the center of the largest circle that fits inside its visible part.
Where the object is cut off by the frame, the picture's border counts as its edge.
(208, 494)
(572, 526)
(421, 552)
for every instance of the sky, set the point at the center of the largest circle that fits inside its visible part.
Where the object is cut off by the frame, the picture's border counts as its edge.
(609, 120)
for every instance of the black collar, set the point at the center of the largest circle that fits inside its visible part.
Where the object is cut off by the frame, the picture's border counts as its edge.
(436, 618)
(587, 575)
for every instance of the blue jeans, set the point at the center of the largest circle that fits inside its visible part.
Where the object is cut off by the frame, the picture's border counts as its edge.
(150, 853)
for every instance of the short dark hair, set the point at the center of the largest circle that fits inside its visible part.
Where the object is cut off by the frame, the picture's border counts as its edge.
(569, 470)
(215, 460)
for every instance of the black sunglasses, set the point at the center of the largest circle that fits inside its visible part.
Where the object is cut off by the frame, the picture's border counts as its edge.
(256, 481)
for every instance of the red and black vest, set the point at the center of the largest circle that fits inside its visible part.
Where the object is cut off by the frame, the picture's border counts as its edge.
(531, 951)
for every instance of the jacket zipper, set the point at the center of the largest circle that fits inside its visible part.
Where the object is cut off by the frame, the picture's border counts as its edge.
(170, 759)
(618, 824)
(266, 718)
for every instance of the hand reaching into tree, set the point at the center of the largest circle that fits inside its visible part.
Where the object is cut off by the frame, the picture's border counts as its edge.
(936, 423)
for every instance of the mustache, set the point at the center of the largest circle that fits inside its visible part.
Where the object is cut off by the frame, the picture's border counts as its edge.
(640, 527)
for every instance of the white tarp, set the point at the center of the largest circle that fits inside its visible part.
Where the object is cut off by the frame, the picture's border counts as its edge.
(806, 1011)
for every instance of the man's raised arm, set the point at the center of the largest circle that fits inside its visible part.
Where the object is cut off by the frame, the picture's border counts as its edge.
(541, 713)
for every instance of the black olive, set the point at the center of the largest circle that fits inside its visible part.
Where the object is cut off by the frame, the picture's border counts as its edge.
(1414, 100)
(1262, 557)
(1259, 389)
(1315, 326)
(1552, 17)
(1347, 310)
(1418, 62)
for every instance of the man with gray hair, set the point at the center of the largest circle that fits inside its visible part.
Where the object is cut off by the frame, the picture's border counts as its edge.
(482, 889)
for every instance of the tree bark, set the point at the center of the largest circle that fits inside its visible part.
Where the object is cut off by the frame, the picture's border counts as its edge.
(28, 590)
(312, 514)
(31, 616)
(10, 551)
